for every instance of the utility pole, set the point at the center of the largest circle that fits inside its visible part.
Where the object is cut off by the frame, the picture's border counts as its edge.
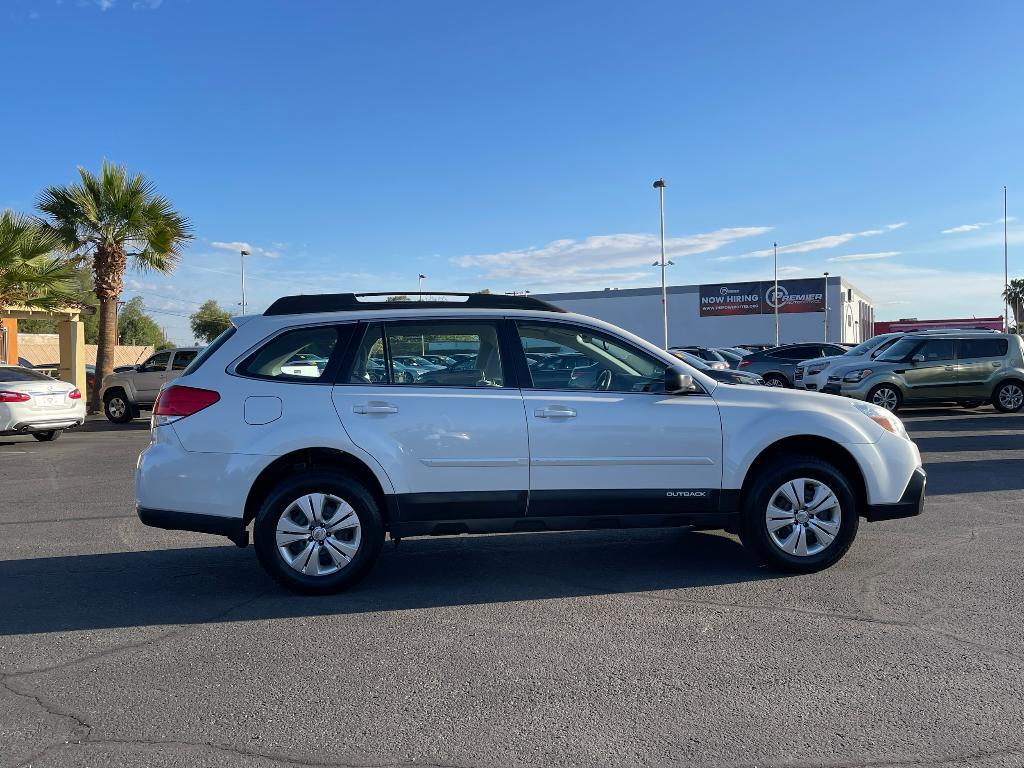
(826, 307)
(242, 254)
(660, 186)
(775, 251)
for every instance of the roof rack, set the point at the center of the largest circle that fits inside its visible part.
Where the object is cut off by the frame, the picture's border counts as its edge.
(305, 304)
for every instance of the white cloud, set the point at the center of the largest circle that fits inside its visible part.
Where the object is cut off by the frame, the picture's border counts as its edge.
(971, 227)
(235, 246)
(865, 256)
(597, 260)
(817, 244)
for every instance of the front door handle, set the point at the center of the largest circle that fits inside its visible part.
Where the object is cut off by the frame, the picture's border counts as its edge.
(375, 408)
(555, 412)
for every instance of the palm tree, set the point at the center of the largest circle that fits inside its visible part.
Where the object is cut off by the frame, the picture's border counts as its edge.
(30, 275)
(1014, 295)
(112, 220)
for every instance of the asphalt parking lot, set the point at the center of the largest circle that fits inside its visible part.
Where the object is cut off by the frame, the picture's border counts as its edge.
(124, 645)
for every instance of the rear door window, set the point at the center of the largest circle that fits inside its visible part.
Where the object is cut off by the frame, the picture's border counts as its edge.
(183, 359)
(981, 348)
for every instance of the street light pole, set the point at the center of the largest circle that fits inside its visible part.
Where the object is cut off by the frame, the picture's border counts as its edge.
(242, 254)
(660, 186)
(1006, 274)
(826, 307)
(775, 251)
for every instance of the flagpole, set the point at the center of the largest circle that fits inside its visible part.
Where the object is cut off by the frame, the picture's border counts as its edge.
(1006, 273)
(775, 250)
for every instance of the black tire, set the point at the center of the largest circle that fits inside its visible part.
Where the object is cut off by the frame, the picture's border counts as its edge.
(116, 407)
(318, 481)
(776, 380)
(1009, 397)
(754, 528)
(48, 436)
(890, 396)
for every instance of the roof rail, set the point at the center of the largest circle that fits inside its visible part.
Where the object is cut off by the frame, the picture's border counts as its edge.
(305, 304)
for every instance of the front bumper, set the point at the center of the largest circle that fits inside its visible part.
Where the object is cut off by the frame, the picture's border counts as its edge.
(911, 503)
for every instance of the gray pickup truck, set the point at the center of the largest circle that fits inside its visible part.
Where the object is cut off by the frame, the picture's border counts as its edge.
(127, 392)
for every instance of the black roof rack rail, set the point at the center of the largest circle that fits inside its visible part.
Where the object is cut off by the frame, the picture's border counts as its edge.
(305, 304)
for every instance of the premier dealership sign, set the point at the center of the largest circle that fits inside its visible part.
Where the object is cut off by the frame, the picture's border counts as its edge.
(760, 298)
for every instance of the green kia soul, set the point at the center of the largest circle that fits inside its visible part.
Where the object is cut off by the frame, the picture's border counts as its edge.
(965, 367)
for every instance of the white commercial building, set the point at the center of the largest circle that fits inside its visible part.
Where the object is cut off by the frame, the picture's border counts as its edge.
(730, 314)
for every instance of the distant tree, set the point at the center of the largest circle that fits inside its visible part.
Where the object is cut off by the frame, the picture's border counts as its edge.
(484, 290)
(136, 328)
(1014, 295)
(209, 321)
(399, 297)
(109, 221)
(30, 272)
(165, 345)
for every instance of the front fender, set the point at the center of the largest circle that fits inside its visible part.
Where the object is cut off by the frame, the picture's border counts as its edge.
(755, 418)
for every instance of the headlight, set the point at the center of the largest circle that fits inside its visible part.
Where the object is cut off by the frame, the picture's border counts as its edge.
(884, 419)
(815, 369)
(854, 376)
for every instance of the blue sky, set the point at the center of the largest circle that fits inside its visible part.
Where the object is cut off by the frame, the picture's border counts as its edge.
(512, 145)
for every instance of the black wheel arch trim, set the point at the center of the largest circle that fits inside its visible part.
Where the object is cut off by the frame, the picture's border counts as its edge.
(911, 503)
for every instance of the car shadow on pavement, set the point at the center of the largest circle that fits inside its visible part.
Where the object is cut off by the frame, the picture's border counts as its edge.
(213, 584)
(981, 476)
(969, 443)
(103, 425)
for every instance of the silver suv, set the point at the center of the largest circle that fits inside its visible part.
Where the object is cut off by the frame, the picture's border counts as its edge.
(968, 367)
(126, 392)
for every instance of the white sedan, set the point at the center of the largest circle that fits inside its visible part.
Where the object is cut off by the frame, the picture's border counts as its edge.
(32, 403)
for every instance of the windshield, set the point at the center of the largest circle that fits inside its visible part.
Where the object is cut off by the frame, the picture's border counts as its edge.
(900, 349)
(864, 347)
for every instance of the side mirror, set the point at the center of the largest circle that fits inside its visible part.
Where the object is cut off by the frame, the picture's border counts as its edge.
(917, 359)
(677, 380)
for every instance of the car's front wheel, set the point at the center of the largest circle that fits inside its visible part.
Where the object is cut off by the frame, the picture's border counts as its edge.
(799, 515)
(318, 532)
(774, 380)
(1009, 397)
(116, 407)
(886, 396)
(48, 436)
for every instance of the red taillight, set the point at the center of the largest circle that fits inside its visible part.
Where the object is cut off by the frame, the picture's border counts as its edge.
(74, 394)
(183, 401)
(744, 363)
(13, 397)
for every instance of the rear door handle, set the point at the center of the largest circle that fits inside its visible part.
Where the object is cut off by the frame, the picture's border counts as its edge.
(949, 368)
(375, 408)
(555, 412)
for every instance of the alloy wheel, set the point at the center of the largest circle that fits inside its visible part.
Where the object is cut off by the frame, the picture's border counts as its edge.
(803, 517)
(117, 407)
(318, 534)
(1011, 397)
(886, 397)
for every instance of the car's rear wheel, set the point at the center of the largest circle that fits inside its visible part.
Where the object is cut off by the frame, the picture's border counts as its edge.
(48, 436)
(1009, 397)
(318, 532)
(116, 407)
(799, 514)
(774, 380)
(886, 396)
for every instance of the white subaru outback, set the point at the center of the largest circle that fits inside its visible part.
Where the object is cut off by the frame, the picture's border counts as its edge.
(325, 459)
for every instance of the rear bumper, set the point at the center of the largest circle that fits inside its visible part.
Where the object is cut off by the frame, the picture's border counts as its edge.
(232, 527)
(911, 503)
(42, 425)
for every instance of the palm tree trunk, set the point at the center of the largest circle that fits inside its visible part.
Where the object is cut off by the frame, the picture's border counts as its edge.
(105, 350)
